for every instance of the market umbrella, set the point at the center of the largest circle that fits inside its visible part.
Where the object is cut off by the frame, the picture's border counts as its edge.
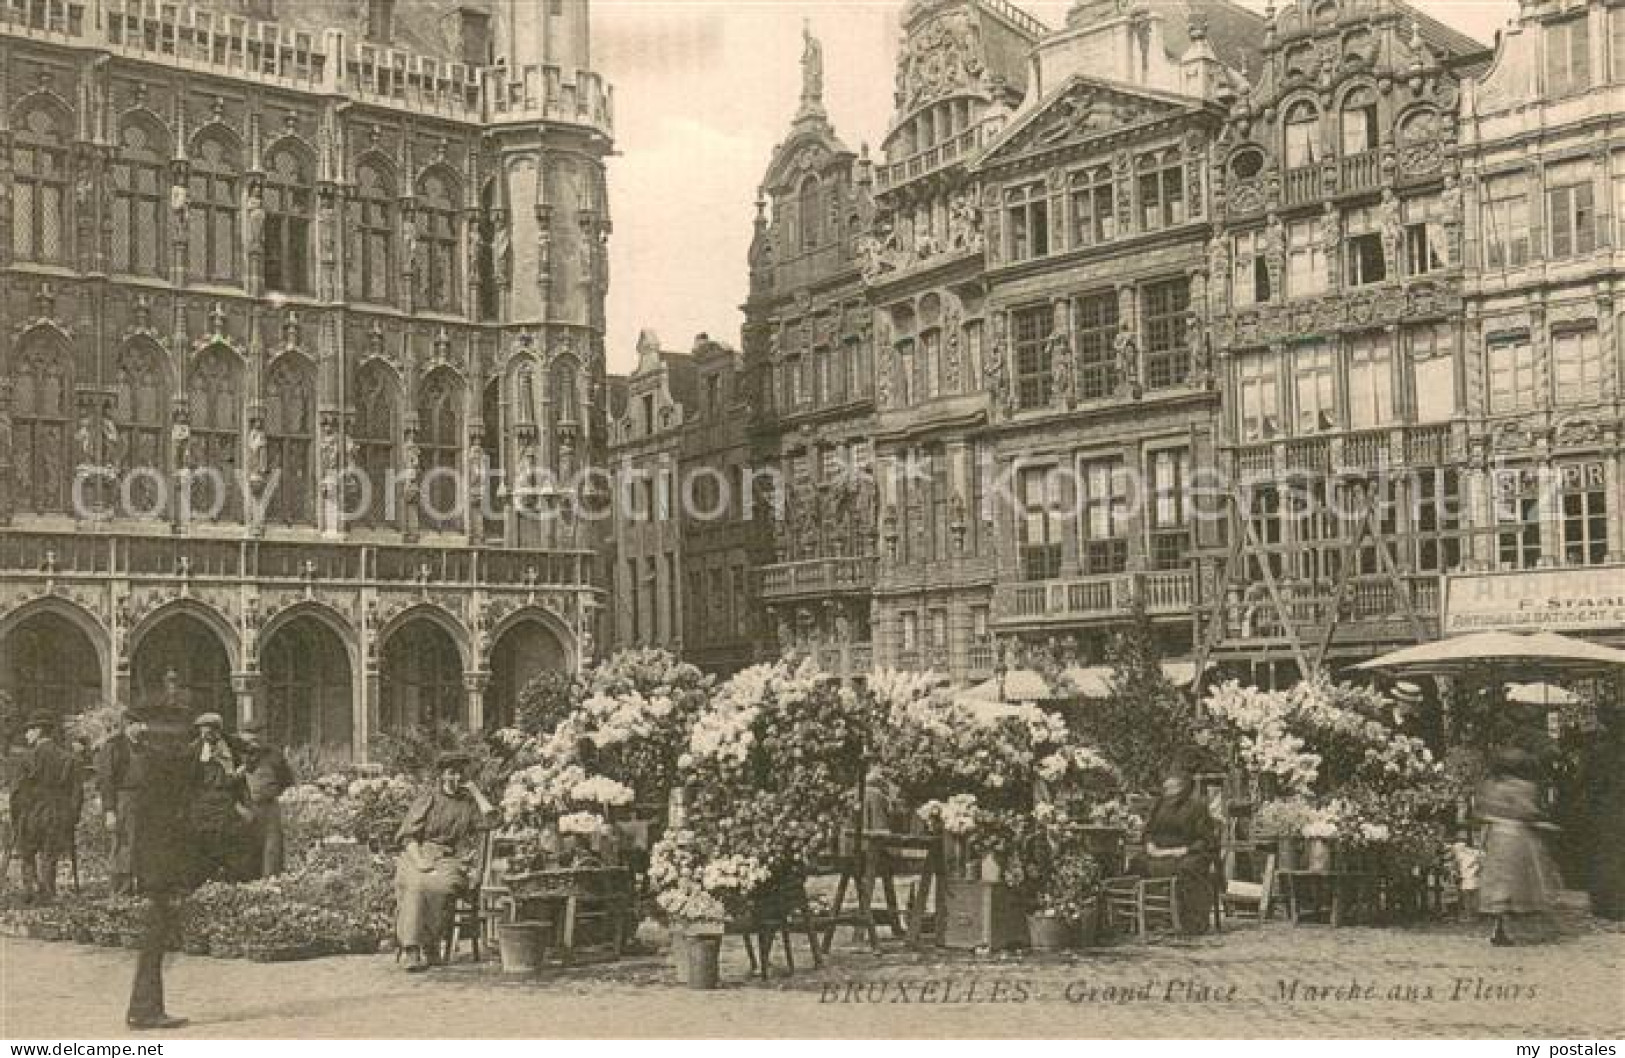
(1543, 653)
(1096, 681)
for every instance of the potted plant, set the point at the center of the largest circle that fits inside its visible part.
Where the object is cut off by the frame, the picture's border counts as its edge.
(1284, 820)
(1321, 836)
(699, 893)
(1062, 878)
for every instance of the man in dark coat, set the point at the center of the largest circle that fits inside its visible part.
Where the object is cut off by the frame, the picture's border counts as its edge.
(43, 803)
(220, 813)
(117, 782)
(161, 783)
(265, 773)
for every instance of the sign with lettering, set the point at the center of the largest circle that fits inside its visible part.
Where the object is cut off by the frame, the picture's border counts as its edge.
(1545, 600)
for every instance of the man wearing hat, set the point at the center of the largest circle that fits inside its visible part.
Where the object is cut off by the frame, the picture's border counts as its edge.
(441, 838)
(42, 806)
(118, 776)
(265, 774)
(219, 810)
(154, 811)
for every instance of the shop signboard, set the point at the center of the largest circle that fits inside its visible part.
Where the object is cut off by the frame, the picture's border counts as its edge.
(1589, 599)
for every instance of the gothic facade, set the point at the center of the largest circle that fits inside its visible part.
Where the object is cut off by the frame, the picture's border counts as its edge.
(303, 355)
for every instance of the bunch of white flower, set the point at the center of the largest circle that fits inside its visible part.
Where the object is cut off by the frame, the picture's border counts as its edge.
(601, 791)
(587, 823)
(957, 815)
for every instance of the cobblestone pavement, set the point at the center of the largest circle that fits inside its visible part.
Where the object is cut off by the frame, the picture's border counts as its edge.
(1271, 981)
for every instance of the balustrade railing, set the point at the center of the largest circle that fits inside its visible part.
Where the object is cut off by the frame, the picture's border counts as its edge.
(842, 573)
(29, 553)
(1111, 595)
(1366, 451)
(1357, 172)
(1301, 185)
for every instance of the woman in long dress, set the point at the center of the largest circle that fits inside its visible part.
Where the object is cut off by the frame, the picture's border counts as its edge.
(1519, 880)
(441, 839)
(1180, 839)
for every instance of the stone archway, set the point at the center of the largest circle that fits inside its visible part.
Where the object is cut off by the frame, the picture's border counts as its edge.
(420, 678)
(185, 643)
(49, 664)
(308, 687)
(524, 651)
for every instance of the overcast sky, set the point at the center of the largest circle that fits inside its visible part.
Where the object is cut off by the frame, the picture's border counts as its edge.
(704, 90)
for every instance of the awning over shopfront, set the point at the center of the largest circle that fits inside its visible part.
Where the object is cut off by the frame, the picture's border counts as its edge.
(1542, 653)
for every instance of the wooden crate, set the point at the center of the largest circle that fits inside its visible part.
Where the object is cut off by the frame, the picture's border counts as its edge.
(984, 915)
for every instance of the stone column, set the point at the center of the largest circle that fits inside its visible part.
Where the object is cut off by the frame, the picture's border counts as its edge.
(474, 685)
(245, 688)
(1614, 478)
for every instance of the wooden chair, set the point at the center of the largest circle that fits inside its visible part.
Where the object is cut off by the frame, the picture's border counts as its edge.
(469, 908)
(1140, 905)
(1251, 900)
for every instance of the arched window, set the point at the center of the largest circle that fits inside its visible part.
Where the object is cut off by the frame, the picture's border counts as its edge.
(41, 394)
(1302, 135)
(374, 437)
(141, 418)
(288, 207)
(40, 192)
(439, 440)
(371, 234)
(214, 391)
(492, 440)
(290, 413)
(212, 209)
(437, 230)
(140, 244)
(812, 227)
(565, 394)
(1360, 121)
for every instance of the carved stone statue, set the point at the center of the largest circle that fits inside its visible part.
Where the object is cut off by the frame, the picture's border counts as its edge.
(1061, 369)
(256, 219)
(812, 69)
(85, 439)
(1391, 221)
(180, 444)
(257, 451)
(502, 253)
(1127, 350)
(964, 224)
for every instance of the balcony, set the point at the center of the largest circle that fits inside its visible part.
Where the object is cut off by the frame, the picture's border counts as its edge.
(930, 160)
(1301, 185)
(818, 576)
(1095, 598)
(1359, 172)
(77, 556)
(202, 40)
(1371, 610)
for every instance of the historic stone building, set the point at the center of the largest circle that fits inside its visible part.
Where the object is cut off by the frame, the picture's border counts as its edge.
(809, 353)
(724, 543)
(1542, 162)
(1335, 294)
(1103, 402)
(646, 445)
(302, 352)
(961, 70)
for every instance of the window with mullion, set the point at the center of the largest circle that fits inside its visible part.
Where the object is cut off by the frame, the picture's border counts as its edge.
(1506, 221)
(1027, 211)
(1512, 374)
(1167, 352)
(1568, 56)
(41, 395)
(139, 184)
(40, 188)
(1571, 212)
(1105, 516)
(374, 435)
(1315, 385)
(215, 409)
(1517, 518)
(142, 418)
(1170, 527)
(289, 203)
(1438, 519)
(1096, 331)
(440, 443)
(437, 228)
(1585, 517)
(1094, 216)
(1371, 381)
(1034, 376)
(290, 412)
(1162, 192)
(370, 267)
(1039, 530)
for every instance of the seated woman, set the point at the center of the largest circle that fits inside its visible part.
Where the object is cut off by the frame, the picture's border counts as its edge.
(441, 835)
(1179, 842)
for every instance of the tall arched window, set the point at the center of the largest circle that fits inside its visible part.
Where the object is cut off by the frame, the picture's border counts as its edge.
(288, 208)
(214, 391)
(374, 436)
(290, 429)
(213, 206)
(140, 246)
(1302, 135)
(437, 229)
(371, 235)
(812, 226)
(440, 440)
(39, 229)
(141, 417)
(492, 440)
(566, 393)
(1360, 121)
(40, 398)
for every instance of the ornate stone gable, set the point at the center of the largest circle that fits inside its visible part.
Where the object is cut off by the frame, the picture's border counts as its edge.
(941, 56)
(1081, 113)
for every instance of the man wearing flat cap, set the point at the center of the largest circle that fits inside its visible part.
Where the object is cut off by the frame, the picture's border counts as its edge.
(440, 837)
(265, 773)
(219, 810)
(43, 806)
